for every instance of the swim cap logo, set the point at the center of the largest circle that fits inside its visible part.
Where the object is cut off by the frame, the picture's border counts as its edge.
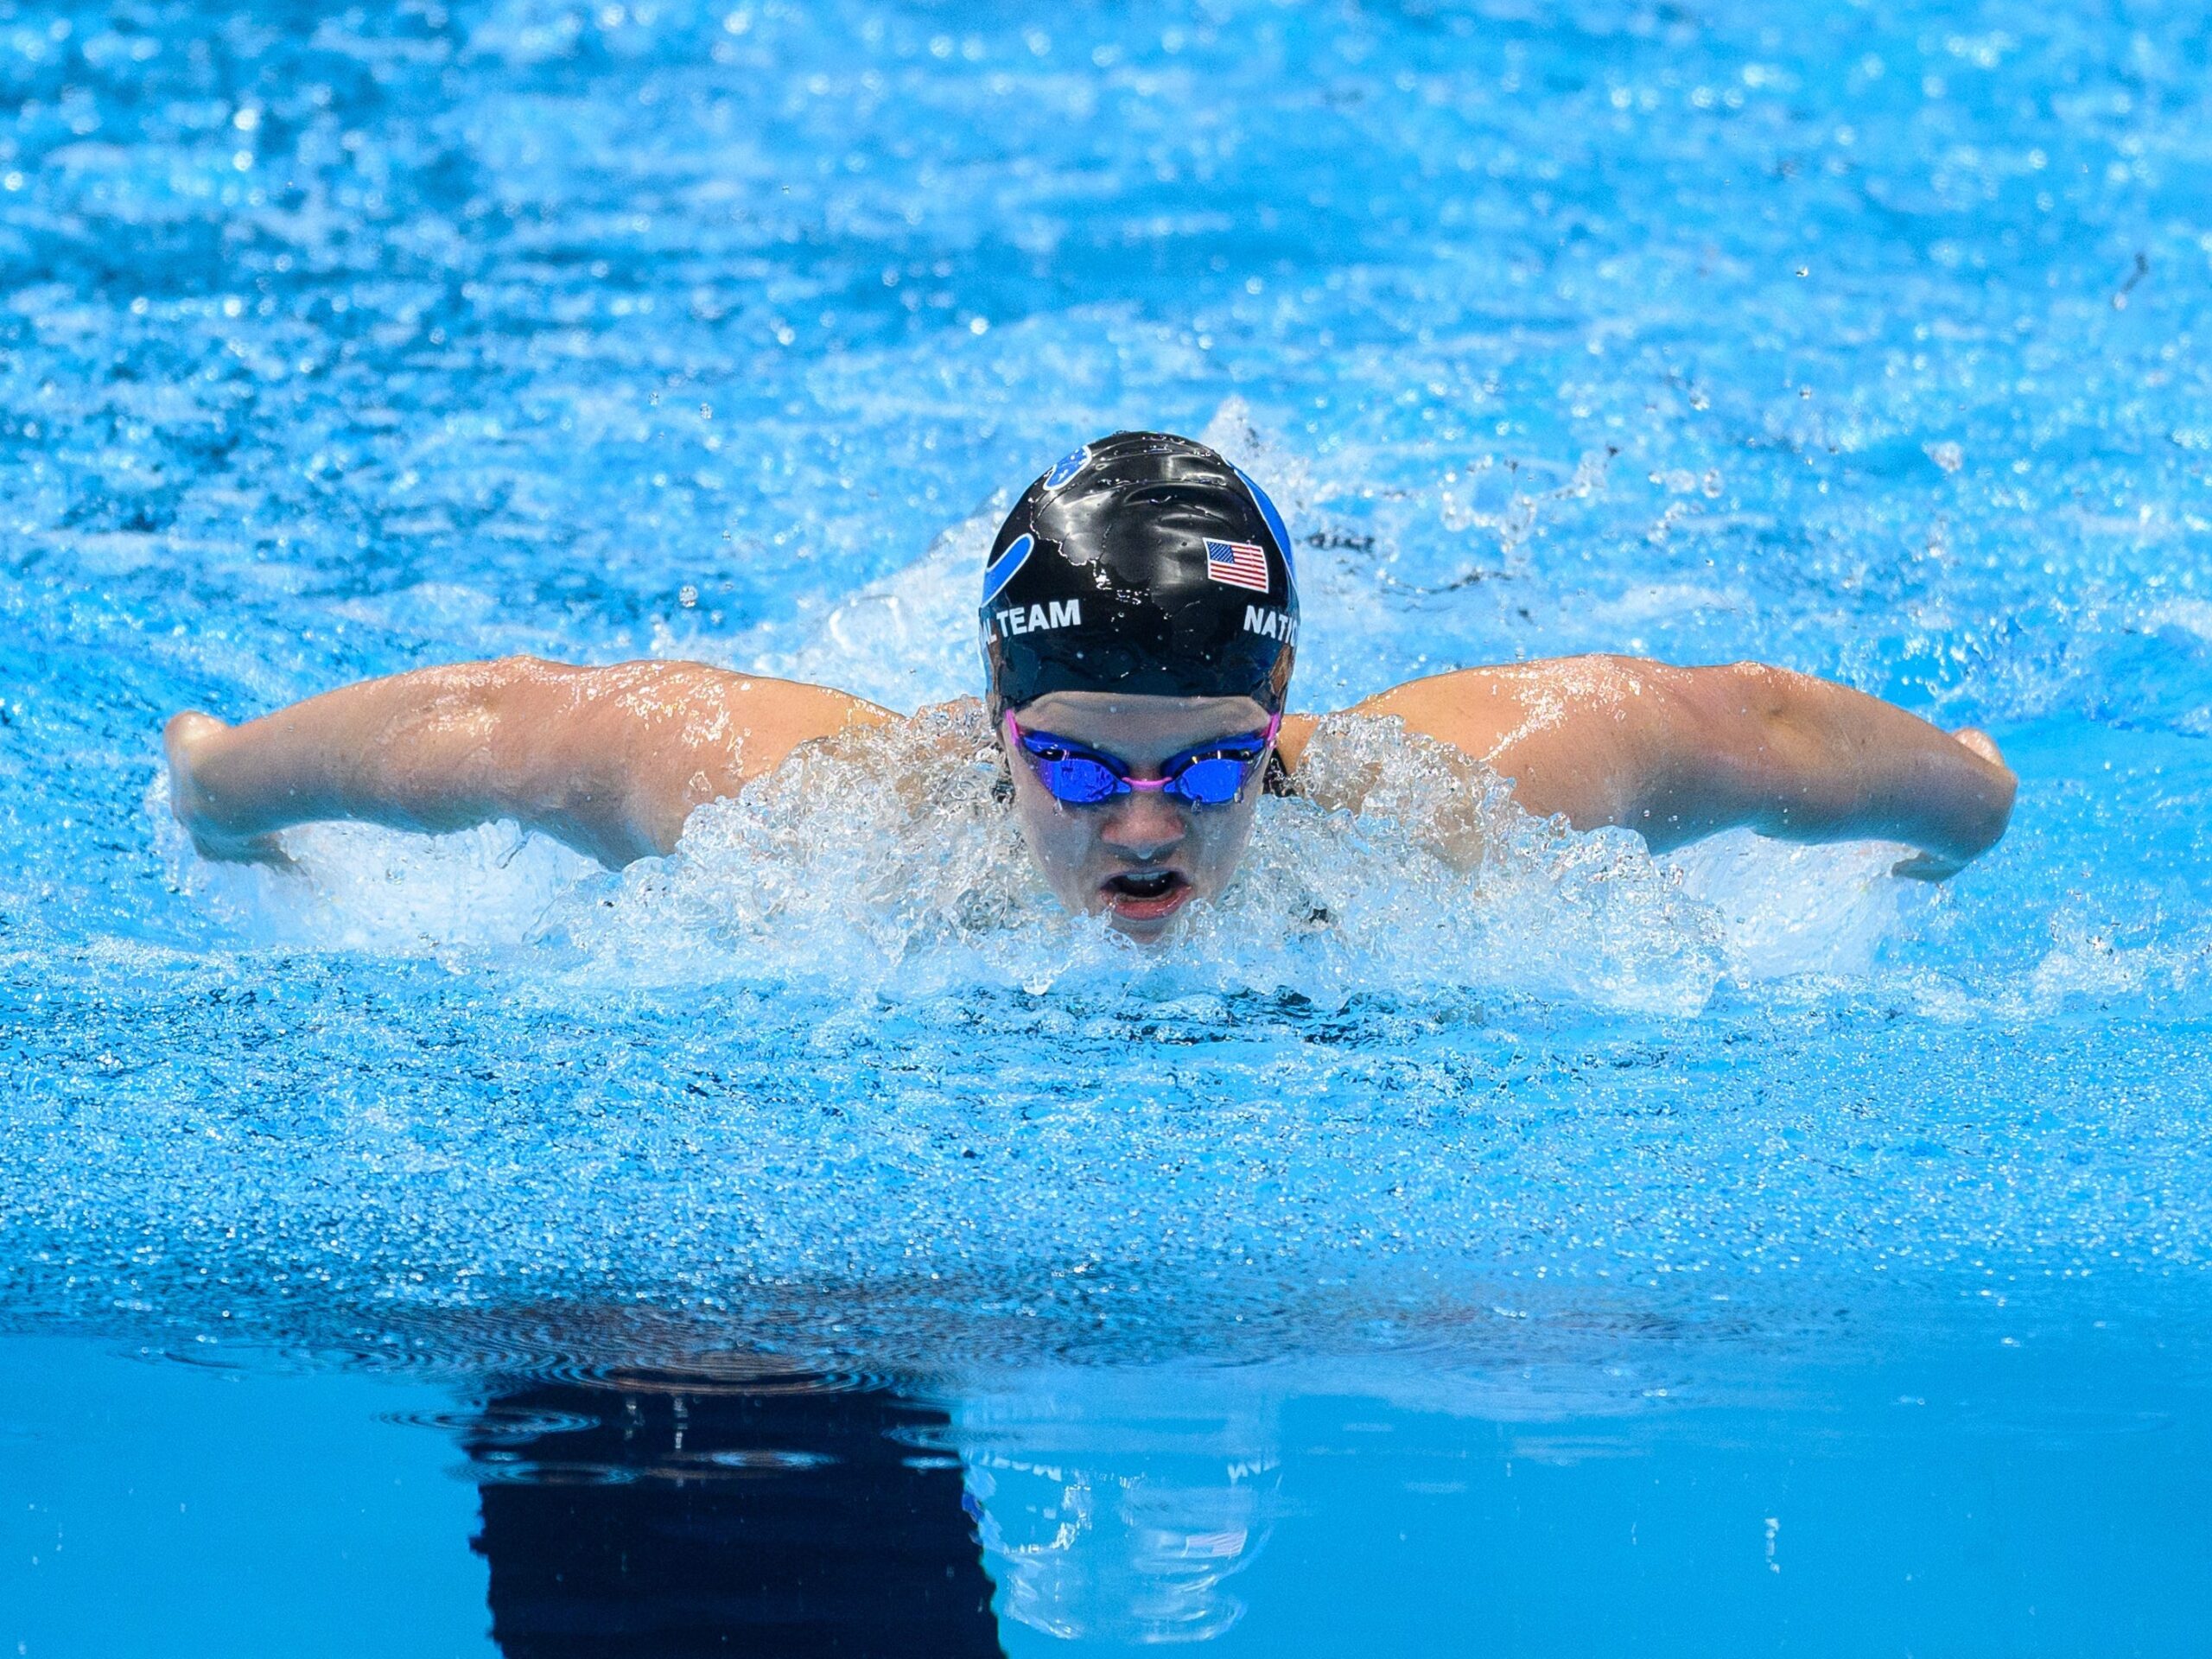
(1066, 468)
(1001, 571)
(1241, 564)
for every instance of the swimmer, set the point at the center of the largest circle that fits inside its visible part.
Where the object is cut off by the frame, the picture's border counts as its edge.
(1139, 621)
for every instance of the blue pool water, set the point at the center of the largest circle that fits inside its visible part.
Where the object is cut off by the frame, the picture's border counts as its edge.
(814, 1238)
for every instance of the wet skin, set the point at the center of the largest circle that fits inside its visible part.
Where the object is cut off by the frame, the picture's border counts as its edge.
(612, 761)
(1140, 857)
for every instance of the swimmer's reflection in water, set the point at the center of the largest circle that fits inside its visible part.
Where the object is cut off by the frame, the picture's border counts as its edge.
(664, 1516)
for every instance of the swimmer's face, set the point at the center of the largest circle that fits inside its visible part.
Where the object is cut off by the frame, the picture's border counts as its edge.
(1140, 856)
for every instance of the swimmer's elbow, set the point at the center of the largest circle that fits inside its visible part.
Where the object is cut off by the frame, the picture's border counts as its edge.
(1726, 746)
(1744, 710)
(1983, 797)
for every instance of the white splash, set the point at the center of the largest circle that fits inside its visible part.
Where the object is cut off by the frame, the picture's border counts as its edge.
(357, 887)
(889, 862)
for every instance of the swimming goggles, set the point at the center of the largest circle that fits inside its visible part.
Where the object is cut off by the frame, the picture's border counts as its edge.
(1212, 774)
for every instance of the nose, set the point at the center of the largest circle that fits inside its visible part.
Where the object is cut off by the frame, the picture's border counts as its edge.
(1144, 825)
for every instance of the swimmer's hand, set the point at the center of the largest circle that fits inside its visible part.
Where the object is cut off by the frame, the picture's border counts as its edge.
(188, 739)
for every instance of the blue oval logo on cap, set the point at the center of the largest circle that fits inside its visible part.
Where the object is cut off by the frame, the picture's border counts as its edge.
(1066, 468)
(999, 571)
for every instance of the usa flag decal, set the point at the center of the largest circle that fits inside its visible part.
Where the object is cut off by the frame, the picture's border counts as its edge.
(1238, 564)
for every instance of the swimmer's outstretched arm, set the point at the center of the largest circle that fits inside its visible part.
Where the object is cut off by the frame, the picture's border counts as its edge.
(1676, 754)
(611, 760)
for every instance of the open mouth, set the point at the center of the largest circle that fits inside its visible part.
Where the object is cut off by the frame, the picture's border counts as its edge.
(1143, 894)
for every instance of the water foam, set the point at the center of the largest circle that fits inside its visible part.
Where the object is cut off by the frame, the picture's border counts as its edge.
(888, 860)
(357, 886)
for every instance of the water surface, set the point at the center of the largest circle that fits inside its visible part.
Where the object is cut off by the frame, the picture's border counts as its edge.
(1599, 1255)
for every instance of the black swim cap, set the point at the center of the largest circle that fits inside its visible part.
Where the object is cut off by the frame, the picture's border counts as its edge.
(1142, 563)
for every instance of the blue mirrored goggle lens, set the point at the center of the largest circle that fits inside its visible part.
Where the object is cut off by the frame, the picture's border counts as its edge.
(1077, 781)
(1213, 781)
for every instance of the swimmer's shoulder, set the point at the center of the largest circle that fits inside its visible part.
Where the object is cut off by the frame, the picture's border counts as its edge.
(1331, 760)
(1290, 742)
(689, 733)
(757, 718)
(1481, 711)
(958, 731)
(1290, 748)
(963, 714)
